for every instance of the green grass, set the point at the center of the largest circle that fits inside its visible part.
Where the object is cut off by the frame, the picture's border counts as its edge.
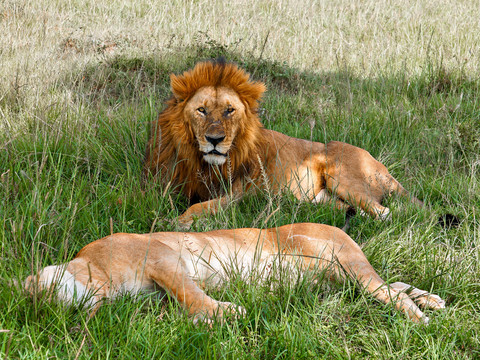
(74, 173)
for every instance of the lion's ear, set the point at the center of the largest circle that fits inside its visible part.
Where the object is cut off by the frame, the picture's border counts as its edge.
(257, 90)
(179, 86)
(252, 92)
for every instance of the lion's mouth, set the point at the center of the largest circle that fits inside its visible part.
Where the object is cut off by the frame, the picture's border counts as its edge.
(214, 152)
(215, 157)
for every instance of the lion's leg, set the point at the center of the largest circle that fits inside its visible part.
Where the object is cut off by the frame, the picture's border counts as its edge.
(399, 299)
(324, 197)
(170, 273)
(364, 200)
(358, 178)
(211, 207)
(368, 198)
(361, 270)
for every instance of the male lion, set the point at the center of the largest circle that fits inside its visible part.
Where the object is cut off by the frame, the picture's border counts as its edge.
(179, 262)
(210, 135)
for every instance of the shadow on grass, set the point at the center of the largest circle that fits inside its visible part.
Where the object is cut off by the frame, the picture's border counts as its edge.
(372, 113)
(423, 128)
(430, 120)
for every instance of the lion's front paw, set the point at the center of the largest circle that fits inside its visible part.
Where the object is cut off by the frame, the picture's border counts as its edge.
(184, 222)
(184, 225)
(385, 215)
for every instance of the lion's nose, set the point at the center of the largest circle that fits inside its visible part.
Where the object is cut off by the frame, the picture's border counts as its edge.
(214, 140)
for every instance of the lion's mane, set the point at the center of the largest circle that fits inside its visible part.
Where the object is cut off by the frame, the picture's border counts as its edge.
(173, 149)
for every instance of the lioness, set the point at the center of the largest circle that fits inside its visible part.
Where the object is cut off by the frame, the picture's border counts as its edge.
(179, 261)
(209, 142)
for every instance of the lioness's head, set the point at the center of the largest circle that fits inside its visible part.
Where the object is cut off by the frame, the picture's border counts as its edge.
(44, 282)
(219, 102)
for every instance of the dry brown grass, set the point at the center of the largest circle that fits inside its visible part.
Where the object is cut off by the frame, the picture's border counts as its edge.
(42, 39)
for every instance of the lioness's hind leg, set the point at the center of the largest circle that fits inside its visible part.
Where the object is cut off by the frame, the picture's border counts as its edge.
(420, 297)
(353, 263)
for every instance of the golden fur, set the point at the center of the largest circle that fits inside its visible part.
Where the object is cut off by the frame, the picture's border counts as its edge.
(173, 149)
(209, 142)
(181, 263)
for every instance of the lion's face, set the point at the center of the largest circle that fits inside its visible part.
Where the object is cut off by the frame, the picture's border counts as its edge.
(215, 114)
(211, 116)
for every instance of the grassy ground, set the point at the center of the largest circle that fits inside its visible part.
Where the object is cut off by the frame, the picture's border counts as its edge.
(74, 113)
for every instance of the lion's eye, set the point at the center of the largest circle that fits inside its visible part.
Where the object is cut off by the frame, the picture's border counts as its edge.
(202, 110)
(230, 110)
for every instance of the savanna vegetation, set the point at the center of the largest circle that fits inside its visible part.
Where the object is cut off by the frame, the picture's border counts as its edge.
(80, 82)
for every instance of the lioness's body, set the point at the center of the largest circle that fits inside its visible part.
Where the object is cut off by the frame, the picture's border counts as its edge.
(181, 261)
(209, 142)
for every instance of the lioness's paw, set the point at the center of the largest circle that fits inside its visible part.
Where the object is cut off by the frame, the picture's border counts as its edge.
(430, 301)
(222, 311)
(231, 309)
(202, 319)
